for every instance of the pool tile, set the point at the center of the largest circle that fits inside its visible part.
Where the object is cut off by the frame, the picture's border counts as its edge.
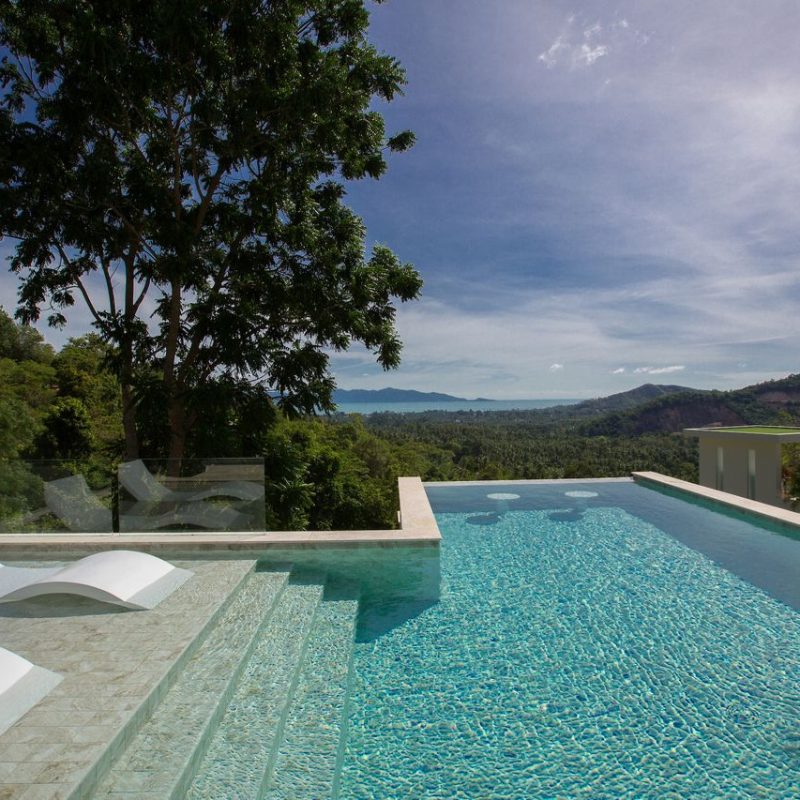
(113, 662)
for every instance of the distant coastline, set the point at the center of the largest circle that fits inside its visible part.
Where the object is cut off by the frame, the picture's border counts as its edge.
(479, 404)
(391, 395)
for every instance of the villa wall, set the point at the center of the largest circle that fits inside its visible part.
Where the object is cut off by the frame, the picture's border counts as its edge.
(736, 471)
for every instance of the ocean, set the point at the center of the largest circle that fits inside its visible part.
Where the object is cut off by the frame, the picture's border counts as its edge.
(453, 405)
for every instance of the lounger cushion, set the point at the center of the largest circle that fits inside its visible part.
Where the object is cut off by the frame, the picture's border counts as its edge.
(124, 577)
(22, 686)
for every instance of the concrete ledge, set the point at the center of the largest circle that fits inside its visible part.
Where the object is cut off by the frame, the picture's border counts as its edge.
(527, 481)
(417, 527)
(765, 511)
(415, 509)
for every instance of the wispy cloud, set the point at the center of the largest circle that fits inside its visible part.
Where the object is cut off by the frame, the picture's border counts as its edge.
(581, 43)
(556, 367)
(660, 370)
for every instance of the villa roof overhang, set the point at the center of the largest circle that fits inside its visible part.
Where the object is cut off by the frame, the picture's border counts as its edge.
(754, 433)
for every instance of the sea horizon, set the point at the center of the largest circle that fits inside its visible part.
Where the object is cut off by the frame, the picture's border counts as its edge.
(454, 405)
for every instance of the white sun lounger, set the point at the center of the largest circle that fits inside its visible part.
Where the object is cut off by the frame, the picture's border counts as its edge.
(72, 501)
(123, 577)
(142, 484)
(22, 686)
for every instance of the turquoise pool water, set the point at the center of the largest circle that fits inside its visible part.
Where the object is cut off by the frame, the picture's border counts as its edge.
(617, 643)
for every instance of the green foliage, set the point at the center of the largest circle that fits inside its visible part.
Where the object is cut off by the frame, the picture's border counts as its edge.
(488, 446)
(84, 373)
(26, 393)
(21, 342)
(63, 407)
(21, 489)
(192, 157)
(67, 432)
(236, 417)
(26, 386)
(329, 477)
(288, 495)
(17, 427)
(790, 458)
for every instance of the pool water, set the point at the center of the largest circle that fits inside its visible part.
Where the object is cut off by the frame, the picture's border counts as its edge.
(598, 645)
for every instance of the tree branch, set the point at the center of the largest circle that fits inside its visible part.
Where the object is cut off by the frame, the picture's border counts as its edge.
(112, 301)
(142, 294)
(87, 299)
(78, 283)
(173, 329)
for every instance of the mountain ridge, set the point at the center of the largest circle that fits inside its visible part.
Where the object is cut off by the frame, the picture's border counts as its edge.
(392, 395)
(766, 403)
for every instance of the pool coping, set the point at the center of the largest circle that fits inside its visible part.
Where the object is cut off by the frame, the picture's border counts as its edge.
(417, 527)
(521, 482)
(774, 514)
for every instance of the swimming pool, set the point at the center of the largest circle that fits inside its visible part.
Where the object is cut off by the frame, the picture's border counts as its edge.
(582, 647)
(567, 639)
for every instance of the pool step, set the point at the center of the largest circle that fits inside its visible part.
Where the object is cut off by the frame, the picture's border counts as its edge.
(243, 748)
(159, 761)
(305, 765)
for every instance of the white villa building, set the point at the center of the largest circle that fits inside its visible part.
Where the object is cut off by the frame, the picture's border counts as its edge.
(745, 461)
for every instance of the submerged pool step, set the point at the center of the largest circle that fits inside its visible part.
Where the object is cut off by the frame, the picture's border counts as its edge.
(307, 758)
(244, 744)
(160, 759)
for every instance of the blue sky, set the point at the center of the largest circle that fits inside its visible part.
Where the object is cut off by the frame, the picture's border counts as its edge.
(602, 195)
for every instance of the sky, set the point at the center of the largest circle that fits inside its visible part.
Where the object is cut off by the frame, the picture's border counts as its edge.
(601, 195)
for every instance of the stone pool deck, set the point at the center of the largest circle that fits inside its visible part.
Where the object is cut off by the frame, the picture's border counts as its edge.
(116, 665)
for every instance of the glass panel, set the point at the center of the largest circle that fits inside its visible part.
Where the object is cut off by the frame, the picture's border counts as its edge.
(138, 496)
(207, 494)
(720, 468)
(54, 496)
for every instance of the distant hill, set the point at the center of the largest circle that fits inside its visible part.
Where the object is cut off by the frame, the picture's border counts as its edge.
(623, 401)
(390, 395)
(761, 404)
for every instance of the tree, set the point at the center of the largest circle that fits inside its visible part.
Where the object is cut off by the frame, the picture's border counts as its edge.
(67, 431)
(21, 342)
(83, 374)
(180, 166)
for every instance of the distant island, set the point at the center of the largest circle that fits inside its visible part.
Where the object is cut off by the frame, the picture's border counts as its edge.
(390, 395)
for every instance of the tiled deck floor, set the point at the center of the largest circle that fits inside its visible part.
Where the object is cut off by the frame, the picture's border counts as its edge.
(112, 661)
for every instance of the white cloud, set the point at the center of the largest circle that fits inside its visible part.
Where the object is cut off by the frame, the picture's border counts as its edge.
(660, 370)
(551, 56)
(556, 367)
(582, 45)
(666, 326)
(588, 55)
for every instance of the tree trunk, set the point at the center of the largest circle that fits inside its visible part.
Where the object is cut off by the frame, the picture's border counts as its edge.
(129, 422)
(178, 430)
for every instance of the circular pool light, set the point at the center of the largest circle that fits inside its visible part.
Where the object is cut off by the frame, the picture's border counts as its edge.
(502, 496)
(581, 494)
